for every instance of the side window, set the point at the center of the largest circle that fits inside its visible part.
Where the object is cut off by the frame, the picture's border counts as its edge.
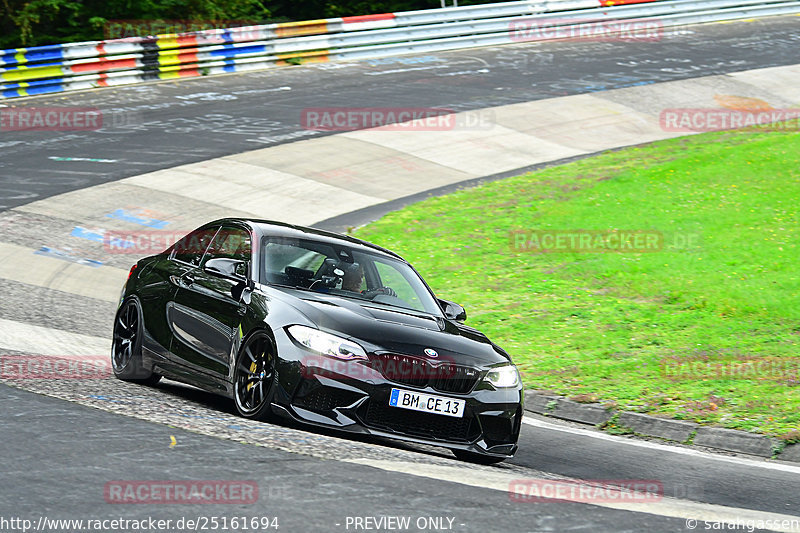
(190, 249)
(231, 243)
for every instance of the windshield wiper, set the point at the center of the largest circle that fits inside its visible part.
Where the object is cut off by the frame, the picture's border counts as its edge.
(405, 310)
(298, 287)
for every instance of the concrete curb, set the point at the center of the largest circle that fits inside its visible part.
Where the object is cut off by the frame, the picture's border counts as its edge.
(642, 425)
(371, 213)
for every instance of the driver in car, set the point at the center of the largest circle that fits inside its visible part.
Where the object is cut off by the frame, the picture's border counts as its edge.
(353, 279)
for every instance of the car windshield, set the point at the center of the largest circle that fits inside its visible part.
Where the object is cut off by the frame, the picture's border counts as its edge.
(342, 271)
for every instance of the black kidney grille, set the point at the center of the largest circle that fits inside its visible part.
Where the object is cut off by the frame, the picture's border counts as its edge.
(416, 372)
(403, 369)
(454, 378)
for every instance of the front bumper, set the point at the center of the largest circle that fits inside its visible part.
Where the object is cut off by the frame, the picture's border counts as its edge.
(490, 425)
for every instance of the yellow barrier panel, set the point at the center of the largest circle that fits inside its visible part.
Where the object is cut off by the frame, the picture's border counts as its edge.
(297, 29)
(31, 73)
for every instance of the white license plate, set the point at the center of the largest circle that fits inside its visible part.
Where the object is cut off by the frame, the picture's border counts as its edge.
(427, 403)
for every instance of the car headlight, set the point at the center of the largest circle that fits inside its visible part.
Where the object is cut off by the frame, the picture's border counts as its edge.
(326, 344)
(503, 376)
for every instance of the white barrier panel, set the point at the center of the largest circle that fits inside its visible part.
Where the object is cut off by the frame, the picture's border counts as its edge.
(73, 66)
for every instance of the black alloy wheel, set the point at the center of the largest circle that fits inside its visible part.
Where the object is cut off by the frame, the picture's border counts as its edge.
(255, 372)
(126, 348)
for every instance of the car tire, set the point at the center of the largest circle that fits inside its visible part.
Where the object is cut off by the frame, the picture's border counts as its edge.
(253, 376)
(477, 458)
(126, 346)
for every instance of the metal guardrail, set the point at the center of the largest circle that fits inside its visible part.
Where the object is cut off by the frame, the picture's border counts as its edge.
(74, 66)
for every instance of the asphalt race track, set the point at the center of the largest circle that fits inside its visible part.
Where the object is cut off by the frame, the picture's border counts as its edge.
(64, 441)
(168, 124)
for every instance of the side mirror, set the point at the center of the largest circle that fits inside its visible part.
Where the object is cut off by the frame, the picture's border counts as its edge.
(232, 269)
(242, 291)
(453, 311)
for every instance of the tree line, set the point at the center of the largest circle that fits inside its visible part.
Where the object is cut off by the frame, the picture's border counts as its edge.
(25, 23)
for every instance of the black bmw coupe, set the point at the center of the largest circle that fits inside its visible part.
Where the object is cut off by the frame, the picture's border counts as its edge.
(319, 327)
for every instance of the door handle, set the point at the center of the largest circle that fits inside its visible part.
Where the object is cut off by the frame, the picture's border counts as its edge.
(188, 279)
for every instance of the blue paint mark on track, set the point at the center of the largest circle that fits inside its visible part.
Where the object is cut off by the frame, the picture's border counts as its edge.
(137, 217)
(90, 235)
(66, 256)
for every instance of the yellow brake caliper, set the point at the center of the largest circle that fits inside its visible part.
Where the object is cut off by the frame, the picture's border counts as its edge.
(253, 367)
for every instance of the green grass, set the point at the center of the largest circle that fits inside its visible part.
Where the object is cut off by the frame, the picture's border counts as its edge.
(706, 329)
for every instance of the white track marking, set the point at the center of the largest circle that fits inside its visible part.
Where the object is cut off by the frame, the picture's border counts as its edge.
(661, 447)
(409, 69)
(668, 507)
(38, 340)
(21, 264)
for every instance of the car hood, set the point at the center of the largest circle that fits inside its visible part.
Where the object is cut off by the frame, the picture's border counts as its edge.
(379, 328)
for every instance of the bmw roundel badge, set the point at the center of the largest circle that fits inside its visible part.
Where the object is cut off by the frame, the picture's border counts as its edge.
(431, 352)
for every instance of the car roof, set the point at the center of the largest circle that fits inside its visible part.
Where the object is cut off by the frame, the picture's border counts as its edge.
(271, 228)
